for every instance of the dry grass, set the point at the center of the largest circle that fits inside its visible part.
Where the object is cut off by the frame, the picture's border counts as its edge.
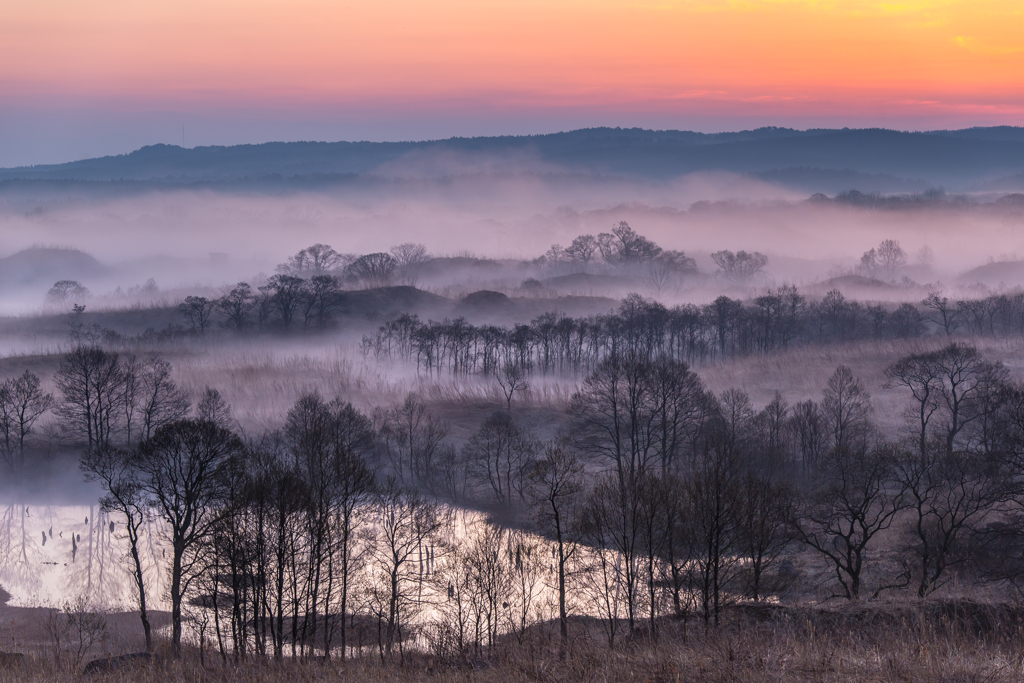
(262, 381)
(906, 642)
(803, 372)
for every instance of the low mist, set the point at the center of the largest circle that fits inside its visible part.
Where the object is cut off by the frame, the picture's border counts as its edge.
(208, 236)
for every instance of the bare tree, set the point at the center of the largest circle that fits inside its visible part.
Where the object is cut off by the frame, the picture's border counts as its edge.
(713, 512)
(512, 378)
(856, 498)
(678, 405)
(613, 420)
(765, 513)
(891, 257)
(653, 511)
(353, 485)
(661, 278)
(90, 381)
(411, 439)
(741, 266)
(486, 557)
(610, 523)
(527, 561)
(500, 455)
(410, 257)
(409, 254)
(375, 270)
(315, 259)
(236, 306)
(846, 406)
(948, 493)
(622, 246)
(773, 436)
(582, 250)
(965, 377)
(197, 311)
(328, 442)
(869, 262)
(406, 525)
(74, 629)
(114, 470)
(321, 299)
(66, 292)
(212, 407)
(921, 374)
(180, 473)
(943, 313)
(811, 432)
(159, 399)
(284, 295)
(556, 484)
(22, 403)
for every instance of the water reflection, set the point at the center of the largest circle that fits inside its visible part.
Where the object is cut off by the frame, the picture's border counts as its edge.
(56, 553)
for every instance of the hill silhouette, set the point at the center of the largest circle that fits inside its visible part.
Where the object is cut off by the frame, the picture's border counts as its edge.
(46, 265)
(912, 159)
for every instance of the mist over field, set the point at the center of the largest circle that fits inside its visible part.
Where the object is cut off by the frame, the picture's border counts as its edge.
(211, 236)
(461, 402)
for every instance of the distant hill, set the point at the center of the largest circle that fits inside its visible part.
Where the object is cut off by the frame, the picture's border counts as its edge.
(1010, 183)
(383, 302)
(878, 159)
(996, 273)
(46, 265)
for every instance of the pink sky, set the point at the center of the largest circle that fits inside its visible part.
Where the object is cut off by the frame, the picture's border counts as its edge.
(87, 78)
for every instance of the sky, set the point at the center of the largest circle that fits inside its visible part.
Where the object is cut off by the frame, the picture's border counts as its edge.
(81, 78)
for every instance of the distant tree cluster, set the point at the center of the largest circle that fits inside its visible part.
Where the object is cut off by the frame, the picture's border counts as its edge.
(67, 293)
(874, 200)
(368, 270)
(885, 261)
(304, 293)
(660, 269)
(622, 248)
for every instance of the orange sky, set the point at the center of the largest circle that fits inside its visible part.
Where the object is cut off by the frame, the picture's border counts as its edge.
(960, 61)
(958, 52)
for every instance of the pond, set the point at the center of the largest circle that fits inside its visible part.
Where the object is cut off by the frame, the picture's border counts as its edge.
(51, 554)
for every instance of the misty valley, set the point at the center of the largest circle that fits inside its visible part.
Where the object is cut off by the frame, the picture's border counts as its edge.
(486, 415)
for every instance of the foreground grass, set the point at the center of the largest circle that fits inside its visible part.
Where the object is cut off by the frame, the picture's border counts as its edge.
(894, 642)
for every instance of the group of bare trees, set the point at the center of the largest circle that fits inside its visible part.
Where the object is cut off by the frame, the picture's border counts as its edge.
(284, 302)
(22, 403)
(727, 328)
(339, 533)
(267, 535)
(623, 249)
(688, 485)
(110, 399)
(378, 269)
(305, 291)
(67, 293)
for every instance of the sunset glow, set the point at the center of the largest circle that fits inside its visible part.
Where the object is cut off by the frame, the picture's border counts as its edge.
(785, 62)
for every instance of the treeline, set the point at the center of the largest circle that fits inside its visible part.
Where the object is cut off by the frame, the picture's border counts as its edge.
(725, 329)
(304, 293)
(623, 249)
(336, 534)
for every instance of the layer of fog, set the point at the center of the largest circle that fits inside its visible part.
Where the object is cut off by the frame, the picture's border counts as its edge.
(183, 237)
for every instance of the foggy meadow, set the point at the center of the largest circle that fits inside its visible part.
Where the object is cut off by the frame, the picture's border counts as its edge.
(498, 414)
